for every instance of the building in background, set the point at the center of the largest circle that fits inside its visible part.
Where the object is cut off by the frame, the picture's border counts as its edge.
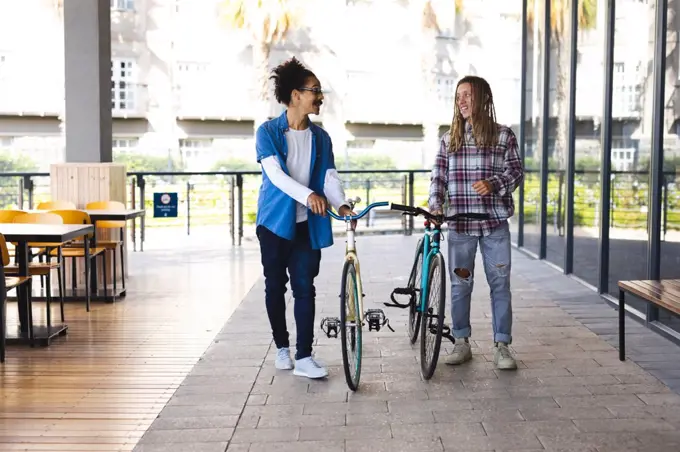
(183, 84)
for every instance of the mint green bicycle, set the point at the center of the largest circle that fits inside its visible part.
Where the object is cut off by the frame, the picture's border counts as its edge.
(352, 315)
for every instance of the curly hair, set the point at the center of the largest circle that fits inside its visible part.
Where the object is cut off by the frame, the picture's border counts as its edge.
(288, 76)
(484, 127)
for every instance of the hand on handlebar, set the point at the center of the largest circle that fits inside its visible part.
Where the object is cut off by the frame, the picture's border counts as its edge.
(345, 211)
(436, 212)
(318, 204)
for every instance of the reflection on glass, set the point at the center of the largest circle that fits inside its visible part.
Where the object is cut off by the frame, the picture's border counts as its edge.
(670, 202)
(631, 144)
(532, 144)
(588, 150)
(561, 39)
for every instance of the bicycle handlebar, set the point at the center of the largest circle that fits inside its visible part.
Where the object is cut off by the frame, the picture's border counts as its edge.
(415, 211)
(360, 214)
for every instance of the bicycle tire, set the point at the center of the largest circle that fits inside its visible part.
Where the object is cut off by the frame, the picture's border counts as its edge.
(414, 279)
(352, 376)
(429, 364)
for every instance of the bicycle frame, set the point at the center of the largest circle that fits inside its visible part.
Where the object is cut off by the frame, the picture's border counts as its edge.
(351, 256)
(431, 241)
(351, 251)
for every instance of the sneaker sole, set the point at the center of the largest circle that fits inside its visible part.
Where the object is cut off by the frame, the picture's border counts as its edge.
(283, 366)
(458, 363)
(506, 367)
(301, 374)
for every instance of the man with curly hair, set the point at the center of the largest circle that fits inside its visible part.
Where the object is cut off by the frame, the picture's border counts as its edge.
(299, 181)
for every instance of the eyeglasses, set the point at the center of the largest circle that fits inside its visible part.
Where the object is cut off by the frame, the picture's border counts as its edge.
(316, 90)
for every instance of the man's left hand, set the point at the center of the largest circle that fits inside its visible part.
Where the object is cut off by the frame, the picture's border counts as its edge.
(483, 187)
(345, 211)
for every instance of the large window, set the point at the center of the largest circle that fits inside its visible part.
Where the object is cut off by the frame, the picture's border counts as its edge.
(446, 91)
(194, 147)
(627, 89)
(123, 85)
(123, 5)
(124, 145)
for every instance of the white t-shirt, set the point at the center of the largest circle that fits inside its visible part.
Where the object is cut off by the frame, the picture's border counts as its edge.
(299, 163)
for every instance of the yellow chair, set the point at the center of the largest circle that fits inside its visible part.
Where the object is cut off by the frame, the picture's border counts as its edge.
(11, 283)
(76, 250)
(7, 216)
(112, 245)
(44, 269)
(52, 205)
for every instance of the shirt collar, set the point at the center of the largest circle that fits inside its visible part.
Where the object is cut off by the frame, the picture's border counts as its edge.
(282, 122)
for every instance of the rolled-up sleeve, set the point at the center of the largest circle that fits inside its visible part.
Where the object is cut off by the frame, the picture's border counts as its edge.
(439, 178)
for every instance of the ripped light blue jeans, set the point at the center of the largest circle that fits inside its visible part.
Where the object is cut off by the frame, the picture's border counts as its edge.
(496, 255)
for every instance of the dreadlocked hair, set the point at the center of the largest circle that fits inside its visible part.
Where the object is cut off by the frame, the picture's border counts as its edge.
(484, 127)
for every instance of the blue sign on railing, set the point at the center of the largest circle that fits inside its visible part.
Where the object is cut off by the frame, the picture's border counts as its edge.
(165, 205)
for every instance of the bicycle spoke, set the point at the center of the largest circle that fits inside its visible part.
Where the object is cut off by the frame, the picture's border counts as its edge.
(433, 319)
(350, 327)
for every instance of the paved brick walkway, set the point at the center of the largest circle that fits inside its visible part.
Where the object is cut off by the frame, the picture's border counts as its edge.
(570, 392)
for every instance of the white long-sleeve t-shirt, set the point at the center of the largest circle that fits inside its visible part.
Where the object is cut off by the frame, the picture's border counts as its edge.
(299, 163)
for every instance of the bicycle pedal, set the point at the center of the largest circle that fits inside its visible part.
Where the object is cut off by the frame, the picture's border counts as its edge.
(330, 326)
(377, 319)
(433, 329)
(449, 337)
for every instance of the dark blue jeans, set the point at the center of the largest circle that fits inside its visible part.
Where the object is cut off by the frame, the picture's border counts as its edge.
(296, 257)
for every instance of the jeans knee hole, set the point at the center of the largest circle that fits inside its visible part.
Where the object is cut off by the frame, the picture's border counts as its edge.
(463, 274)
(501, 270)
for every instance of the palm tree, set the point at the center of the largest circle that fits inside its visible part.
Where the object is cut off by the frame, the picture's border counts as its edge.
(560, 11)
(559, 25)
(429, 30)
(268, 22)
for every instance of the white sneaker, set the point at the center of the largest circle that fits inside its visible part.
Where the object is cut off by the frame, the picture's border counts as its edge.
(462, 352)
(502, 357)
(283, 360)
(307, 367)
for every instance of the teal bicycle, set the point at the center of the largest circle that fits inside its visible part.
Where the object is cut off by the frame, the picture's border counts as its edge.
(427, 296)
(352, 315)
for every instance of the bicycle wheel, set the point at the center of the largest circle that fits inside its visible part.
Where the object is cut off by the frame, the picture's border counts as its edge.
(433, 320)
(414, 279)
(350, 327)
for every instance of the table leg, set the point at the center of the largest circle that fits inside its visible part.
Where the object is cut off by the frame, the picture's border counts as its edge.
(22, 290)
(622, 326)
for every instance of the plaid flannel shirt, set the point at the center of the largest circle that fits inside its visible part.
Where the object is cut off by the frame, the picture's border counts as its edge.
(455, 172)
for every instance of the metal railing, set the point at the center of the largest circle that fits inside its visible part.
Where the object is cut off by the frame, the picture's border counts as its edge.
(229, 198)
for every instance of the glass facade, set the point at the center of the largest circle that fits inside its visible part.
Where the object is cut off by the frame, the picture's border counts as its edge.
(601, 196)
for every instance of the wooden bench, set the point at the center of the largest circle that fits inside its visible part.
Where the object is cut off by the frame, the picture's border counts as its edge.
(664, 293)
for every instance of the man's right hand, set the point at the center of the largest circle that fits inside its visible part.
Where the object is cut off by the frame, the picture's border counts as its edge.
(436, 212)
(318, 204)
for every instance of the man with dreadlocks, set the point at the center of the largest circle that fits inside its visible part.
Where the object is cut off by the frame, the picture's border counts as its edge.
(478, 166)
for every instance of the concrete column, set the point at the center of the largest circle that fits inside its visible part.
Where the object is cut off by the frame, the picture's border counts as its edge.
(87, 51)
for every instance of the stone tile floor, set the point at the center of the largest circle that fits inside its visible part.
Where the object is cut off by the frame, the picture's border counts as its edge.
(570, 393)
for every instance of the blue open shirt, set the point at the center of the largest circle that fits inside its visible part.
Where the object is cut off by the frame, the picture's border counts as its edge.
(275, 209)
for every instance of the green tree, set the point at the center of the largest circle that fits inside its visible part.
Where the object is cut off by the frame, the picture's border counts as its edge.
(16, 164)
(137, 162)
(235, 164)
